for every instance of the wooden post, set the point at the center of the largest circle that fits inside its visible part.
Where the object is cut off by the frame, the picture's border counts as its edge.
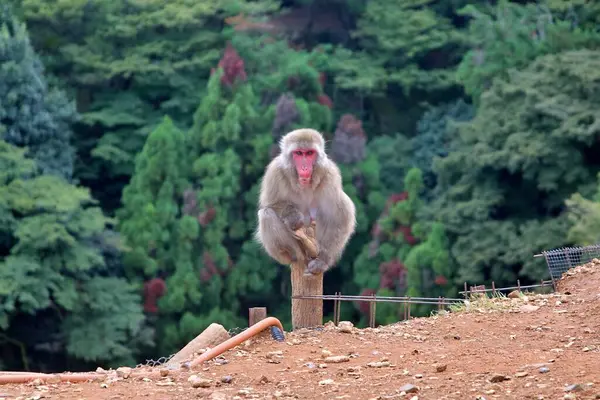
(306, 313)
(256, 314)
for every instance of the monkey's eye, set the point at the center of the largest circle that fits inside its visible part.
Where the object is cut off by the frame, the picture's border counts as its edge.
(298, 153)
(310, 153)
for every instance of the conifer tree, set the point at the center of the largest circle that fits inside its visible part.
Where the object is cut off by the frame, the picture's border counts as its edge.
(32, 115)
(160, 224)
(58, 256)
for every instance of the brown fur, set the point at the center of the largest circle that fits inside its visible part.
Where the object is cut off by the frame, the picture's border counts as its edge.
(283, 203)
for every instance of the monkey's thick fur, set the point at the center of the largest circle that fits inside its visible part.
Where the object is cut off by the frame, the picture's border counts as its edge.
(285, 205)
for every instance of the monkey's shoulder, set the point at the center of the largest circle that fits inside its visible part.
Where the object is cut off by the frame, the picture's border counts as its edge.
(331, 175)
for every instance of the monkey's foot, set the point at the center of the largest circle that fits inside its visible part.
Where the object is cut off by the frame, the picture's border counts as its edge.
(288, 256)
(315, 267)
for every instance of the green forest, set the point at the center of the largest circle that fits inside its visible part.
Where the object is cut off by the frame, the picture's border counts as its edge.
(134, 134)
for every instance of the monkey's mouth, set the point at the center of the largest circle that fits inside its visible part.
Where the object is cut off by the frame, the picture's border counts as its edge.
(304, 181)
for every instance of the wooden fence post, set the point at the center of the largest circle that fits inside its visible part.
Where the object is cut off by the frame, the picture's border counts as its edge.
(306, 313)
(256, 314)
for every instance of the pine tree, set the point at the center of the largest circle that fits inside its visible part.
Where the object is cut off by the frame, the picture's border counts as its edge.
(159, 223)
(32, 115)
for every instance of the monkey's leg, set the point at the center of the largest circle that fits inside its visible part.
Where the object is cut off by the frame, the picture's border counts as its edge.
(308, 242)
(277, 239)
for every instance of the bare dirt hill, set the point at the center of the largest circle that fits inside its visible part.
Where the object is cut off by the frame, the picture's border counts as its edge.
(530, 347)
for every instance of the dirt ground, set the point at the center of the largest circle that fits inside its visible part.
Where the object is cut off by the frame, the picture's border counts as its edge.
(529, 347)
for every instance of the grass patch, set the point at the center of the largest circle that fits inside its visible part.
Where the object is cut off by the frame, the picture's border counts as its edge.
(483, 303)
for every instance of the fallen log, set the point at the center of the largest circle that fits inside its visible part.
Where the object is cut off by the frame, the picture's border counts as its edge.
(211, 337)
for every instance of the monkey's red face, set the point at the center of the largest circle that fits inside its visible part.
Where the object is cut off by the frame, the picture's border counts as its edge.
(304, 160)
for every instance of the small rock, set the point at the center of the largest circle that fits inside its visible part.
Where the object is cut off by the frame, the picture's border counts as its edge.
(418, 376)
(275, 354)
(409, 388)
(499, 378)
(325, 353)
(337, 359)
(345, 326)
(197, 382)
(217, 396)
(226, 379)
(378, 364)
(528, 308)
(574, 388)
(263, 379)
(515, 294)
(101, 370)
(164, 372)
(440, 367)
(326, 382)
(544, 370)
(123, 372)
(521, 374)
(166, 383)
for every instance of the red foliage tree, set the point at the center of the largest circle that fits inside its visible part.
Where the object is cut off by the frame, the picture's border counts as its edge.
(377, 233)
(440, 280)
(325, 100)
(233, 66)
(210, 269)
(190, 204)
(349, 141)
(406, 231)
(322, 79)
(363, 306)
(207, 216)
(286, 115)
(392, 275)
(153, 290)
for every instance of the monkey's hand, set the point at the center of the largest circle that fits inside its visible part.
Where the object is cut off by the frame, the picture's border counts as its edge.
(315, 267)
(292, 218)
(307, 242)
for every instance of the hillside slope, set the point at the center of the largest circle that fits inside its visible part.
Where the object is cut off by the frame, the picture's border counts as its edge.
(531, 347)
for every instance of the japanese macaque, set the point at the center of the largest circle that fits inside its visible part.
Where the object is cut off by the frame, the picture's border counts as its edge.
(299, 186)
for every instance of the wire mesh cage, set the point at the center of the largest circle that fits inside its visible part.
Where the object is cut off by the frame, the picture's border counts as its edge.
(561, 260)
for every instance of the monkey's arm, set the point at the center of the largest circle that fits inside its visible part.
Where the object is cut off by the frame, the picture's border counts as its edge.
(308, 240)
(337, 223)
(274, 232)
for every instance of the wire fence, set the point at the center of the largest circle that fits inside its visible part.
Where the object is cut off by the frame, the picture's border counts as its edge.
(561, 260)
